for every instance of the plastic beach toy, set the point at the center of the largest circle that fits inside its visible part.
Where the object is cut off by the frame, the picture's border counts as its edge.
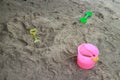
(87, 15)
(87, 56)
(34, 33)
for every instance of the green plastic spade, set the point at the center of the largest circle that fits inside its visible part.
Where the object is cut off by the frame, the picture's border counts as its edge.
(84, 19)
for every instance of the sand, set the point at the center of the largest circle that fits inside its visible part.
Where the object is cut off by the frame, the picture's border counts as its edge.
(60, 33)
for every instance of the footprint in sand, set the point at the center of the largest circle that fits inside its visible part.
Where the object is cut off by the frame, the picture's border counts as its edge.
(99, 15)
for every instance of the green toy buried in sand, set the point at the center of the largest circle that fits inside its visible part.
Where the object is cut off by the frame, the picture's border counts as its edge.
(87, 15)
(34, 33)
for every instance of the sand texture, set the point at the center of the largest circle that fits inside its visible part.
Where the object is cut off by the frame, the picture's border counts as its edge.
(60, 33)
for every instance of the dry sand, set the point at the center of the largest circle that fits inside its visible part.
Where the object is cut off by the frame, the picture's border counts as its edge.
(59, 32)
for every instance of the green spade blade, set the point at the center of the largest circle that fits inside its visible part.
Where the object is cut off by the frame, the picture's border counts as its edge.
(83, 20)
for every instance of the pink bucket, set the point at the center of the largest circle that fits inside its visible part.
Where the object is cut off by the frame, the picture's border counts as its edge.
(87, 56)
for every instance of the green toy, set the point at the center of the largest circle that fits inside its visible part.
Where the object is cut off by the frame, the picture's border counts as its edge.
(34, 33)
(84, 19)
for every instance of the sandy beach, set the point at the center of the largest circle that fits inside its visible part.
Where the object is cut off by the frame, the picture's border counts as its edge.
(59, 33)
